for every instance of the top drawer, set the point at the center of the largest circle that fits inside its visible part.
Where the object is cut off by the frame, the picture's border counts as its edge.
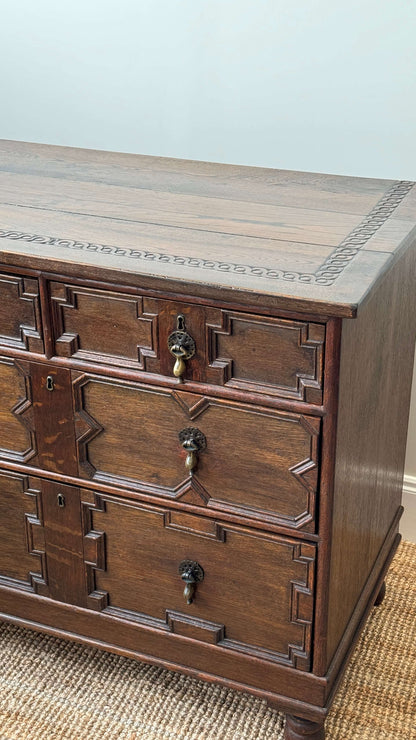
(259, 354)
(20, 321)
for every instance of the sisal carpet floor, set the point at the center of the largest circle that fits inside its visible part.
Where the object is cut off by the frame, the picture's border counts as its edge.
(56, 690)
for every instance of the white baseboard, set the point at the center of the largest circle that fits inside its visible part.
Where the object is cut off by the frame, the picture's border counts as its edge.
(409, 484)
(408, 521)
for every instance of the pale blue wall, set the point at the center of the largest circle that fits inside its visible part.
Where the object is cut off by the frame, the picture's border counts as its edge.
(304, 84)
(299, 84)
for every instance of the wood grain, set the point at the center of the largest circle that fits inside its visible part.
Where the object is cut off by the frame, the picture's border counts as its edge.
(124, 428)
(375, 383)
(141, 578)
(53, 418)
(20, 321)
(298, 290)
(22, 544)
(268, 231)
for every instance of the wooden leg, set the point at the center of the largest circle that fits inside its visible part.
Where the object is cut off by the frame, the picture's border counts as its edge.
(381, 594)
(303, 729)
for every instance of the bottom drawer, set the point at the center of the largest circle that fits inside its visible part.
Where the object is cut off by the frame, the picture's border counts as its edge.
(256, 590)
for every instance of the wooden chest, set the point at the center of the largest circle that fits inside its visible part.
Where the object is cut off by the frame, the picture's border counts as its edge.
(205, 375)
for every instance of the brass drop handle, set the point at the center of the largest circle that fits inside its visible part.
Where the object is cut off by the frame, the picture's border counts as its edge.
(193, 441)
(191, 573)
(179, 366)
(181, 346)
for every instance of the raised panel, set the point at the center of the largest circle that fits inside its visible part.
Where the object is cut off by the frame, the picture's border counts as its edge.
(17, 434)
(257, 462)
(128, 434)
(105, 326)
(256, 596)
(20, 322)
(276, 356)
(22, 539)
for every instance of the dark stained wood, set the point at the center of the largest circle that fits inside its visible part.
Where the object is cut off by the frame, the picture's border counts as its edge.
(53, 418)
(17, 433)
(20, 322)
(64, 543)
(267, 355)
(297, 728)
(124, 428)
(22, 545)
(231, 393)
(282, 358)
(361, 612)
(298, 290)
(299, 691)
(375, 382)
(381, 595)
(266, 522)
(326, 489)
(268, 616)
(104, 326)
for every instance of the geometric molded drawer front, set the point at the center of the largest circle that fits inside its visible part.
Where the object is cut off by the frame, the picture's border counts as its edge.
(256, 596)
(20, 323)
(104, 326)
(257, 462)
(22, 541)
(275, 356)
(17, 436)
(278, 357)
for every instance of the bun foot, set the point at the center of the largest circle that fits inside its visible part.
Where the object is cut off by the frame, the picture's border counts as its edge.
(381, 594)
(303, 729)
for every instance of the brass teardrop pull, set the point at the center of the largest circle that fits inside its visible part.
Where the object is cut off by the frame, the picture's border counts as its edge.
(181, 346)
(191, 573)
(193, 441)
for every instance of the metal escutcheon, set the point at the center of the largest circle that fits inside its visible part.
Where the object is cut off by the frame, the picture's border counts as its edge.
(191, 573)
(181, 346)
(193, 441)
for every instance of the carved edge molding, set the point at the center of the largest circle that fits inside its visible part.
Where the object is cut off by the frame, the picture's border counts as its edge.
(68, 343)
(23, 412)
(326, 274)
(30, 336)
(34, 540)
(334, 265)
(301, 604)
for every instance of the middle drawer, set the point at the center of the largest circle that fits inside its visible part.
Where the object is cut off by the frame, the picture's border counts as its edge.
(229, 456)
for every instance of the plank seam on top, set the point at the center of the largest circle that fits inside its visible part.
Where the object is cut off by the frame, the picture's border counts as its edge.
(326, 274)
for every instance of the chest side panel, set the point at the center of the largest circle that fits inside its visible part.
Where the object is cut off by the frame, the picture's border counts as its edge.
(375, 381)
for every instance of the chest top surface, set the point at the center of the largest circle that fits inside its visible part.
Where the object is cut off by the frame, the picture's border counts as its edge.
(297, 240)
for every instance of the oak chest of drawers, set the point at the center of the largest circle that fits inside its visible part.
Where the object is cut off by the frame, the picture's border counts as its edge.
(205, 375)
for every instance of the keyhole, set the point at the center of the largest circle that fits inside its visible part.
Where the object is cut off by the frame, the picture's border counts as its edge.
(49, 383)
(61, 500)
(180, 322)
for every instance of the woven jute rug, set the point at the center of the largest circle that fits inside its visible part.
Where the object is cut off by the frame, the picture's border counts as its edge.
(53, 689)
